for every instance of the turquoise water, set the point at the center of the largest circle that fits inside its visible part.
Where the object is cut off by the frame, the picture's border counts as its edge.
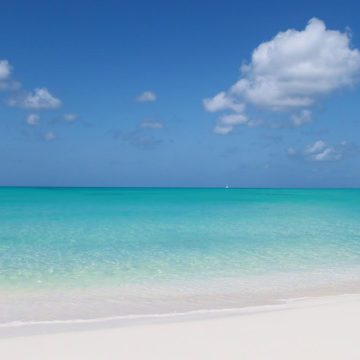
(87, 253)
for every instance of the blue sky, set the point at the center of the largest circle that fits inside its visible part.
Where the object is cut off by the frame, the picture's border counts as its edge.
(180, 93)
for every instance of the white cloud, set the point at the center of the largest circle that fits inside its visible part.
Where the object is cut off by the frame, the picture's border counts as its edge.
(293, 71)
(146, 96)
(316, 147)
(226, 123)
(151, 125)
(223, 130)
(40, 98)
(296, 67)
(70, 117)
(50, 135)
(233, 119)
(6, 83)
(5, 69)
(222, 101)
(328, 154)
(321, 151)
(33, 119)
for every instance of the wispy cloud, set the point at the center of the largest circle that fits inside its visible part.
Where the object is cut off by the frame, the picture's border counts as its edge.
(147, 124)
(303, 117)
(49, 136)
(292, 72)
(223, 130)
(70, 117)
(146, 96)
(138, 138)
(5, 69)
(321, 151)
(143, 136)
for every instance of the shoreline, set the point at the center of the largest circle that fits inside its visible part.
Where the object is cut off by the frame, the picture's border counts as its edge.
(312, 328)
(166, 309)
(30, 328)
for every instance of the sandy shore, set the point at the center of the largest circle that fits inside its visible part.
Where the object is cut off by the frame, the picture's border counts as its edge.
(323, 328)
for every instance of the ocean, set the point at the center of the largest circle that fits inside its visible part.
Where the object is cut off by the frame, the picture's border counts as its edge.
(90, 253)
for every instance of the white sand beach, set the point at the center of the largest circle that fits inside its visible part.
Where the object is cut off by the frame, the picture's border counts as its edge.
(321, 328)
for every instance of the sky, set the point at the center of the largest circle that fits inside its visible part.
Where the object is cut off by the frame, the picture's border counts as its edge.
(180, 93)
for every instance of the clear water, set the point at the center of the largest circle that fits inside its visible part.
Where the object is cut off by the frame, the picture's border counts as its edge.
(87, 253)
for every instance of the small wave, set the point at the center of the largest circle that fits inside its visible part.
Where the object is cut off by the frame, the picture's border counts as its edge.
(282, 304)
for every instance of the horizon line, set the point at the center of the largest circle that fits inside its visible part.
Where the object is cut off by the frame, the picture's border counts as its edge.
(179, 187)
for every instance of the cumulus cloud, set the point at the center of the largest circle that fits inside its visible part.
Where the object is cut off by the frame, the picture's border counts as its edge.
(296, 67)
(33, 119)
(6, 83)
(321, 151)
(40, 98)
(292, 72)
(146, 96)
(146, 124)
(5, 69)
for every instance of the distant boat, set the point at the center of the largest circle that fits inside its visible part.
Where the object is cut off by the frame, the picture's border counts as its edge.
(227, 186)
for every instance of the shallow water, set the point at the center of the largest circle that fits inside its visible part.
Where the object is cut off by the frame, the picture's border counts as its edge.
(87, 253)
